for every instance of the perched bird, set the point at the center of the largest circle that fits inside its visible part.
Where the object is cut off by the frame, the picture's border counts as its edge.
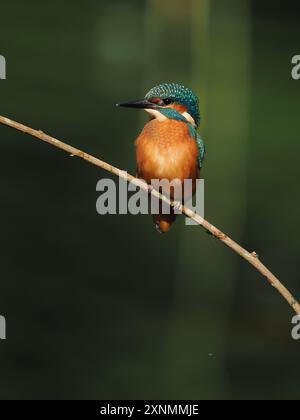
(169, 146)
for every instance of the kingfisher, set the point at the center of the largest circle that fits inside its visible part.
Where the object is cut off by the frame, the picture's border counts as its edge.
(169, 146)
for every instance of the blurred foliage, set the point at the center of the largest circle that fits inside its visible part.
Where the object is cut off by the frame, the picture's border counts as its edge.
(104, 307)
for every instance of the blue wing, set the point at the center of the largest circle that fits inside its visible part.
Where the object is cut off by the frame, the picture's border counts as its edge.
(200, 144)
(201, 147)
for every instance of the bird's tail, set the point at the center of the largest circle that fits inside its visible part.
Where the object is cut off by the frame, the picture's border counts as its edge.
(163, 222)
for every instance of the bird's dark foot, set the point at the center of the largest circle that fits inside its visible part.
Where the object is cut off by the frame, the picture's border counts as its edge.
(177, 207)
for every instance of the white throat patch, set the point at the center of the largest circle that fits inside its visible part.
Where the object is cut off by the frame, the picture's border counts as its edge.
(160, 117)
(189, 118)
(156, 114)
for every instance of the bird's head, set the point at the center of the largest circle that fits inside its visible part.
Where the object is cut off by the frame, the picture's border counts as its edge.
(169, 96)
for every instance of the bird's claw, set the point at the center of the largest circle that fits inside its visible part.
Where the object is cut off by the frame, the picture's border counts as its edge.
(177, 207)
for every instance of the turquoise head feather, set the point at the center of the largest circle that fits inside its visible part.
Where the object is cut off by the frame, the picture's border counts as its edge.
(173, 93)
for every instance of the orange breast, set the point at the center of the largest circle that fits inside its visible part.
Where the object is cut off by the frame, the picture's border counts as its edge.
(165, 150)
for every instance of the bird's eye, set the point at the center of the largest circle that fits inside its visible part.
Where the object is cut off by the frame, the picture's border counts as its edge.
(168, 101)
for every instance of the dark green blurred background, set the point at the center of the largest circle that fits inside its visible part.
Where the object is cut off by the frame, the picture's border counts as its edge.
(104, 307)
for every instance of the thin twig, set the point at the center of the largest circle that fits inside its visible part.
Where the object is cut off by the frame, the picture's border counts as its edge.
(252, 258)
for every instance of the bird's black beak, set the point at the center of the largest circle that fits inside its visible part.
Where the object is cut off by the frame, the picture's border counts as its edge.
(143, 104)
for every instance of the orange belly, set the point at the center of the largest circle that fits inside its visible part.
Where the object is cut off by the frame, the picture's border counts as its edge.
(165, 150)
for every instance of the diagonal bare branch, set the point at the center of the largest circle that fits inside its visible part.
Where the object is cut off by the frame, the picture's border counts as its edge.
(252, 258)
